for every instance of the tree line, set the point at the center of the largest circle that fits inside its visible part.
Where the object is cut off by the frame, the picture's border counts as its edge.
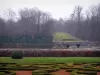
(35, 26)
(85, 26)
(32, 26)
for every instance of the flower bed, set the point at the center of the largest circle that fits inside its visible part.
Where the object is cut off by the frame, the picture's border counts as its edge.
(50, 69)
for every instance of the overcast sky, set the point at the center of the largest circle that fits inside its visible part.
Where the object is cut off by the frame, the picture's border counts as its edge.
(58, 8)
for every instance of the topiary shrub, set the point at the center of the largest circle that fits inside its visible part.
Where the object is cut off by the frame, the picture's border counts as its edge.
(74, 72)
(78, 45)
(17, 55)
(70, 64)
(39, 72)
(2, 73)
(67, 46)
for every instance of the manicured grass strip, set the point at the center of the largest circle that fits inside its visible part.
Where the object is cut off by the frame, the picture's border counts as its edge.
(32, 60)
(61, 35)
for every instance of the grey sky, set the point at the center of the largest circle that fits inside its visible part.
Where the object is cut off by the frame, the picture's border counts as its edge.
(58, 8)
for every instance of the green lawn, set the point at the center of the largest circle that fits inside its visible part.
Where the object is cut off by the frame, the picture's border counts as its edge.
(30, 60)
(59, 36)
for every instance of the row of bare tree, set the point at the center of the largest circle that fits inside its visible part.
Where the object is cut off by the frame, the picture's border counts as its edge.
(32, 21)
(84, 25)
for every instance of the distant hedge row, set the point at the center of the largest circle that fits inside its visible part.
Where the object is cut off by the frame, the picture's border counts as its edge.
(26, 45)
(38, 41)
(26, 39)
(53, 53)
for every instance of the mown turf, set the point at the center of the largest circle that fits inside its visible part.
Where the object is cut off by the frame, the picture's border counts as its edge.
(31, 60)
(59, 36)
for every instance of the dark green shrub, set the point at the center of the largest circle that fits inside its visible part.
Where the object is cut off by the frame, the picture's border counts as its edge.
(67, 46)
(69, 70)
(51, 70)
(39, 72)
(78, 45)
(70, 64)
(18, 65)
(17, 54)
(2, 73)
(74, 72)
(11, 65)
(88, 72)
(3, 65)
(7, 72)
(13, 73)
(87, 66)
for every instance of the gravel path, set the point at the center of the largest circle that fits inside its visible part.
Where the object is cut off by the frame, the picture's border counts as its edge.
(61, 72)
(23, 72)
